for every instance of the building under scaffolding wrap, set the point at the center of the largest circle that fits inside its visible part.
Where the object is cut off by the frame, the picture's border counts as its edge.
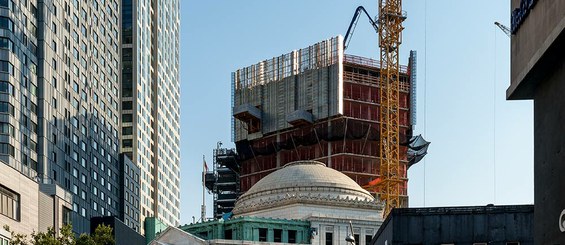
(318, 103)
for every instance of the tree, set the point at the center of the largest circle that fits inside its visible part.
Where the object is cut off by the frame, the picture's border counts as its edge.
(101, 236)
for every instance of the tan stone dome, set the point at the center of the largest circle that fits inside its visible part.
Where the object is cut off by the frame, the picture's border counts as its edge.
(304, 182)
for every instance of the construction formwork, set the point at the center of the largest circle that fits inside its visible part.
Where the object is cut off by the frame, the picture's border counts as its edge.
(319, 104)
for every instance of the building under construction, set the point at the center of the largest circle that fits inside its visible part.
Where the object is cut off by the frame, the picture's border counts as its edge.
(315, 103)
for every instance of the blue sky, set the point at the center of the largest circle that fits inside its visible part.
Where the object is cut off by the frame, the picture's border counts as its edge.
(482, 145)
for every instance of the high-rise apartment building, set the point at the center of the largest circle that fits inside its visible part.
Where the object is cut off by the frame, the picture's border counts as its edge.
(150, 103)
(59, 99)
(78, 100)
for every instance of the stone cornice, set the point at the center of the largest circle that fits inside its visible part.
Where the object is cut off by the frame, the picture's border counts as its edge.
(246, 206)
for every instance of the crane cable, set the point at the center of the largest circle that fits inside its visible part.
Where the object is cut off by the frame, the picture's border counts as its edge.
(494, 120)
(425, 81)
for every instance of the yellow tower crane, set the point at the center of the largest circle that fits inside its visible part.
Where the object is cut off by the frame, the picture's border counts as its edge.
(390, 20)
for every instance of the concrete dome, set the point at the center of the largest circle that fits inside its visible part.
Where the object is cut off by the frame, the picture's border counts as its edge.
(308, 182)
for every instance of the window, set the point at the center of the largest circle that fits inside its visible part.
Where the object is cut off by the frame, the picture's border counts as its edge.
(329, 238)
(6, 87)
(127, 143)
(6, 107)
(33, 89)
(356, 236)
(6, 43)
(262, 234)
(6, 67)
(127, 118)
(277, 235)
(291, 236)
(127, 130)
(66, 216)
(6, 4)
(6, 128)
(6, 149)
(368, 239)
(6, 23)
(9, 203)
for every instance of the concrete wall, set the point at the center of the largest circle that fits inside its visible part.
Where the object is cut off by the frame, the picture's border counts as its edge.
(531, 42)
(56, 199)
(46, 218)
(537, 72)
(549, 158)
(309, 79)
(29, 195)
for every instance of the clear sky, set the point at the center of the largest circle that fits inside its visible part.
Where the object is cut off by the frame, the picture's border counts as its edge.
(482, 145)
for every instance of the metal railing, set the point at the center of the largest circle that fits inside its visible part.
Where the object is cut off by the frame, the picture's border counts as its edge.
(364, 61)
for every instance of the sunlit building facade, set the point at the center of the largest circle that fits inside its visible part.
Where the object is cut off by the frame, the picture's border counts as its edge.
(78, 102)
(150, 103)
(59, 105)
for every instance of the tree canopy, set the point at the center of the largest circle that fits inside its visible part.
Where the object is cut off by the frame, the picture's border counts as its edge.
(101, 236)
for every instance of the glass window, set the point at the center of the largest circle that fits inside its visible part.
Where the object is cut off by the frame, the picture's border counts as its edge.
(6, 149)
(277, 235)
(7, 4)
(9, 203)
(329, 238)
(127, 130)
(6, 87)
(368, 239)
(7, 67)
(6, 23)
(6, 43)
(291, 236)
(6, 107)
(262, 234)
(127, 118)
(6, 128)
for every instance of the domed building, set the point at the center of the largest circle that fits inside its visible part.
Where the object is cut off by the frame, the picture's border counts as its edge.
(308, 190)
(303, 188)
(302, 202)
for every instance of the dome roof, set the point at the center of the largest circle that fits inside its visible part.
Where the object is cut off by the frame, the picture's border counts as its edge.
(304, 182)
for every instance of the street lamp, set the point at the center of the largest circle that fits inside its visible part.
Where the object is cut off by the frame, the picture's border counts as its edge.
(350, 238)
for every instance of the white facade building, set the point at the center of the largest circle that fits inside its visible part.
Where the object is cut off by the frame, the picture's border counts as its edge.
(308, 190)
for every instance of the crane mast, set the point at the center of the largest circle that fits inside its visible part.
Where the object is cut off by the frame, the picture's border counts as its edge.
(390, 21)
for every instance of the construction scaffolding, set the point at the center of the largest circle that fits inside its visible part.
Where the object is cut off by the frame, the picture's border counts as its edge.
(319, 104)
(223, 181)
